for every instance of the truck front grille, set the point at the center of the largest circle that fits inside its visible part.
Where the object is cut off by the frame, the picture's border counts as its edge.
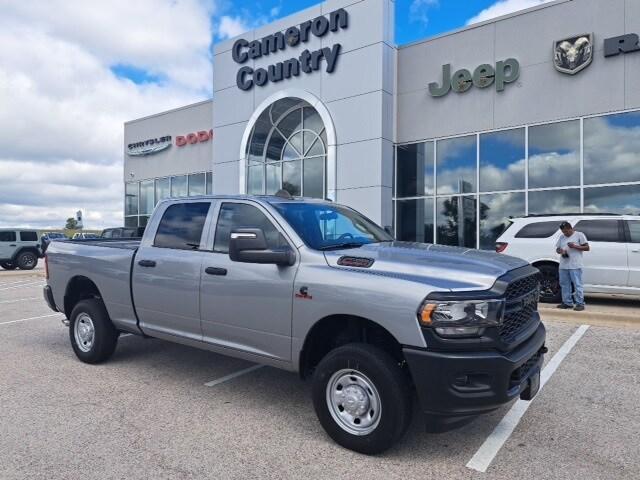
(521, 303)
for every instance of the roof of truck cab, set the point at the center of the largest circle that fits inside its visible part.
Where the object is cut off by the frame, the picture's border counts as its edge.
(262, 198)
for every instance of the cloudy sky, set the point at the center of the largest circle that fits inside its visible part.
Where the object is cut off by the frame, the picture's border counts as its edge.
(73, 71)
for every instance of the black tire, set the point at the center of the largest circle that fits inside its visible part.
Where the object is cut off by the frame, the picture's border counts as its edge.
(391, 384)
(105, 336)
(27, 260)
(550, 285)
(8, 265)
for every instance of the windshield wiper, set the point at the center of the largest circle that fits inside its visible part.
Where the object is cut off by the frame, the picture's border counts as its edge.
(338, 246)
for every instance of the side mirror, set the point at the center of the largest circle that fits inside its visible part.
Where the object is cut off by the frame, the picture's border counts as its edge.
(249, 245)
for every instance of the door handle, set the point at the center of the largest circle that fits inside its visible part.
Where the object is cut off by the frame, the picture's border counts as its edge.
(635, 251)
(147, 263)
(12, 245)
(215, 271)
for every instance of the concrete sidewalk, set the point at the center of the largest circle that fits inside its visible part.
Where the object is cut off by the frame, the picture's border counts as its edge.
(607, 310)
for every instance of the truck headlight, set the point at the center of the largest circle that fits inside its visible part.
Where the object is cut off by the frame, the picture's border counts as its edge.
(467, 318)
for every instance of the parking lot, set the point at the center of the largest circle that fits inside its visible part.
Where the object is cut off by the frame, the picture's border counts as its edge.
(149, 413)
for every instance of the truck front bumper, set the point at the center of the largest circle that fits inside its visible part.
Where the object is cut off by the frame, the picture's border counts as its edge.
(454, 387)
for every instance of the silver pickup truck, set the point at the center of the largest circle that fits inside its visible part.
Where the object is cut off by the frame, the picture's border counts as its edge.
(313, 287)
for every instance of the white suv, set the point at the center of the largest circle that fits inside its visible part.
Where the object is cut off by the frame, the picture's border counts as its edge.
(19, 248)
(612, 265)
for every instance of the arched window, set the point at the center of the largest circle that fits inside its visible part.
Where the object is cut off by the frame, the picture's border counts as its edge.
(287, 149)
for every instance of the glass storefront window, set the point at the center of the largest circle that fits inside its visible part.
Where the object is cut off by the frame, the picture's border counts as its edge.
(414, 170)
(179, 186)
(209, 183)
(554, 155)
(456, 165)
(456, 221)
(502, 160)
(163, 189)
(130, 221)
(295, 154)
(414, 220)
(612, 148)
(146, 197)
(554, 201)
(197, 184)
(495, 212)
(622, 199)
(131, 198)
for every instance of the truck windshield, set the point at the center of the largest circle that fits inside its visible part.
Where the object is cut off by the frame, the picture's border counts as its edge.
(324, 227)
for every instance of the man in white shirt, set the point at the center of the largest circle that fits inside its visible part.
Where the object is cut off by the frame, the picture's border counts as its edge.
(570, 246)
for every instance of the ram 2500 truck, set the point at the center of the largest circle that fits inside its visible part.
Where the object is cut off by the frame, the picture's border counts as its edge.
(314, 287)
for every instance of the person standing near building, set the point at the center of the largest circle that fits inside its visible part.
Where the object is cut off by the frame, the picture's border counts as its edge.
(570, 246)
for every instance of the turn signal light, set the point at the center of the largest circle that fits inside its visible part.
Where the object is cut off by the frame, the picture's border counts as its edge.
(425, 313)
(501, 246)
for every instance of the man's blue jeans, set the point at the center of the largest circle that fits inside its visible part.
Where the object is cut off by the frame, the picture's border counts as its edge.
(568, 277)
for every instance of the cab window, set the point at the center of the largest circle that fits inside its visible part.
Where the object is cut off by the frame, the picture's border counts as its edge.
(28, 236)
(181, 226)
(601, 230)
(7, 236)
(243, 215)
(634, 231)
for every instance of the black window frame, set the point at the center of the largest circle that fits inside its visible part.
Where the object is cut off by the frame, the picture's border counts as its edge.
(622, 237)
(35, 235)
(15, 237)
(188, 246)
(532, 225)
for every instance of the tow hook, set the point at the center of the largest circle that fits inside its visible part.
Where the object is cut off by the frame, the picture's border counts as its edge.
(65, 321)
(544, 349)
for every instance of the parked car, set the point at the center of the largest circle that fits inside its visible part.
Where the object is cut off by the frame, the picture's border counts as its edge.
(48, 237)
(78, 235)
(123, 232)
(611, 266)
(316, 288)
(19, 248)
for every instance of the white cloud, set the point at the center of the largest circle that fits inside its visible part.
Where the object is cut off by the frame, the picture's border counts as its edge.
(62, 107)
(232, 27)
(504, 7)
(419, 10)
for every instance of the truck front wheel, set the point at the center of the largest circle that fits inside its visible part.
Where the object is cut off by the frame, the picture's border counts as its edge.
(93, 336)
(362, 398)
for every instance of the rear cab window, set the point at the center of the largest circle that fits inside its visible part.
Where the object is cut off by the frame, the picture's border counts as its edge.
(7, 236)
(28, 236)
(538, 230)
(602, 230)
(181, 226)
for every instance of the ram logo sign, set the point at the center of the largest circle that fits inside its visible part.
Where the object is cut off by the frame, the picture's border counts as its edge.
(573, 54)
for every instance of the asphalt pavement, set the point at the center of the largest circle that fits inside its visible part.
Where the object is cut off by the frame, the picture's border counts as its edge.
(158, 410)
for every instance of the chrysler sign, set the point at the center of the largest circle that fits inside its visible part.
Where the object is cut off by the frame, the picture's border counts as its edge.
(148, 147)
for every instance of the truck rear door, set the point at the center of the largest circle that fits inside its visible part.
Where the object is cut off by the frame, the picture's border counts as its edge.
(633, 248)
(166, 270)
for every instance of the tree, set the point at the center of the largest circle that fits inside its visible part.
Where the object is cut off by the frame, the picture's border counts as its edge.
(72, 224)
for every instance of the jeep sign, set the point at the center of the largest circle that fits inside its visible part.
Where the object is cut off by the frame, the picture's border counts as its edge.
(504, 72)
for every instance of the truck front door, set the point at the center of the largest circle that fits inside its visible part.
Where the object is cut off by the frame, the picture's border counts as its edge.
(166, 271)
(246, 306)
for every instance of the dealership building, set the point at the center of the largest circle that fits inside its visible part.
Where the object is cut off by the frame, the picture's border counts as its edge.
(444, 139)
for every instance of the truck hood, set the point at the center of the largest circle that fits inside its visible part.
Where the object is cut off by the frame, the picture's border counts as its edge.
(442, 267)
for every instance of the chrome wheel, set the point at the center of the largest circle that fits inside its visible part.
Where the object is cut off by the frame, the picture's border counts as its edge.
(354, 402)
(84, 332)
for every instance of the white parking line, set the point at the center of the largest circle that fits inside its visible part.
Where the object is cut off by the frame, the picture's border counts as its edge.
(8, 284)
(492, 445)
(30, 318)
(20, 300)
(20, 286)
(232, 376)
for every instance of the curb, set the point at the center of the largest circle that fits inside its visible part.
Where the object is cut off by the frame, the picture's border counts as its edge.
(594, 317)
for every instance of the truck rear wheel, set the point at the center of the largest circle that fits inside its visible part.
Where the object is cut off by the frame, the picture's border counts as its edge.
(362, 398)
(27, 261)
(8, 265)
(93, 336)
